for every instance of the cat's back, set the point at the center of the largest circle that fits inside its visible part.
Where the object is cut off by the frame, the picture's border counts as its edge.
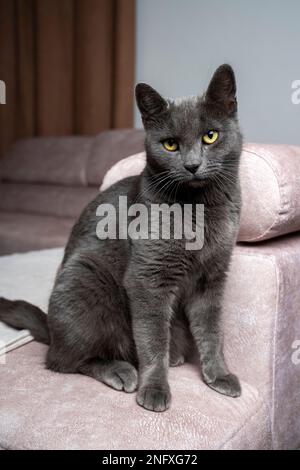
(84, 235)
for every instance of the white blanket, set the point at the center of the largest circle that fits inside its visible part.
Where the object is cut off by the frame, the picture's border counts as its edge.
(27, 276)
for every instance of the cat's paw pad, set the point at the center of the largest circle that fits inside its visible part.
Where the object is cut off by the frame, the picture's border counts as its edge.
(227, 385)
(154, 399)
(177, 361)
(122, 377)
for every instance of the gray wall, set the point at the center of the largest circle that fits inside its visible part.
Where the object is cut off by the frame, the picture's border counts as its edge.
(181, 42)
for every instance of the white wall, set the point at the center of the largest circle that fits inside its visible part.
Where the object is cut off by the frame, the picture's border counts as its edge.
(181, 42)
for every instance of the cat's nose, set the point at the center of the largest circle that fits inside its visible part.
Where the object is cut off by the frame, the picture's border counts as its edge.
(192, 167)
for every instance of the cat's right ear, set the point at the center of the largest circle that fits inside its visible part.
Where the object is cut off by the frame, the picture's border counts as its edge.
(149, 101)
(222, 89)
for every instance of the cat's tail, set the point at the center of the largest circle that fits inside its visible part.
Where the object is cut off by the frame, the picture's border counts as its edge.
(23, 315)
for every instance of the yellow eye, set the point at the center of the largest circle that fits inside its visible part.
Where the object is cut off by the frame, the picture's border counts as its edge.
(210, 137)
(171, 145)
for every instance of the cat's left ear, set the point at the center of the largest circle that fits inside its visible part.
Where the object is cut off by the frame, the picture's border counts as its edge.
(222, 89)
(149, 101)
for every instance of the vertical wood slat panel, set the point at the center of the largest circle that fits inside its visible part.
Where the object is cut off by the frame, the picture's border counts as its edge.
(54, 60)
(124, 67)
(7, 73)
(93, 65)
(25, 69)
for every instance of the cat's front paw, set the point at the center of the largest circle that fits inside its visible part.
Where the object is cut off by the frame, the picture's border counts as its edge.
(154, 399)
(227, 385)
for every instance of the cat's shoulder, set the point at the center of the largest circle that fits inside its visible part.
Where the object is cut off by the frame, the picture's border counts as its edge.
(129, 187)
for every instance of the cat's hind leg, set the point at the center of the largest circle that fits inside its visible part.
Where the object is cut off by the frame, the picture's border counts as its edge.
(181, 342)
(176, 359)
(89, 325)
(120, 375)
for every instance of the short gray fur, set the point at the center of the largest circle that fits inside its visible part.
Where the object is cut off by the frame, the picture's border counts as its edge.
(121, 311)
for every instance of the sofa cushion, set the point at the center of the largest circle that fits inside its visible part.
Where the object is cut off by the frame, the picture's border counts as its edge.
(261, 329)
(21, 232)
(57, 160)
(73, 160)
(270, 179)
(48, 410)
(270, 182)
(45, 199)
(110, 147)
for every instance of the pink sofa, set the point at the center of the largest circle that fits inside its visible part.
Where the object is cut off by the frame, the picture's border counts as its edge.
(46, 182)
(43, 410)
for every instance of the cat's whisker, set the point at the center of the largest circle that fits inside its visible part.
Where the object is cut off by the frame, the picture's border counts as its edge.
(173, 190)
(162, 177)
(167, 187)
(179, 183)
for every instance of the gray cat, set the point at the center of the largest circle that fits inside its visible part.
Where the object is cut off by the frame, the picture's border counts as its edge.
(122, 311)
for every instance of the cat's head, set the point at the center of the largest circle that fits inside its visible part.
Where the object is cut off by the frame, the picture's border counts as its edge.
(195, 139)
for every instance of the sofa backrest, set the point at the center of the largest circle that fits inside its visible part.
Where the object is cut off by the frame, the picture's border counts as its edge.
(69, 161)
(45, 199)
(58, 176)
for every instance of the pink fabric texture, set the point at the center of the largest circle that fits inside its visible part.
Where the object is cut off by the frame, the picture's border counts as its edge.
(44, 409)
(47, 160)
(110, 147)
(262, 322)
(47, 410)
(69, 161)
(21, 232)
(45, 199)
(54, 178)
(270, 188)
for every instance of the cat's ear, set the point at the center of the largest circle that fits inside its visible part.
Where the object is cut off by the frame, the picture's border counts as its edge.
(149, 101)
(222, 89)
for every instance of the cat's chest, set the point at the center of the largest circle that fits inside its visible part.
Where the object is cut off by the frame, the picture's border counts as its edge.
(197, 248)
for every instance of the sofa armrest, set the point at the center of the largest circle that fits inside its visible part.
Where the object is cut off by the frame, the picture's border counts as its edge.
(269, 183)
(262, 322)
